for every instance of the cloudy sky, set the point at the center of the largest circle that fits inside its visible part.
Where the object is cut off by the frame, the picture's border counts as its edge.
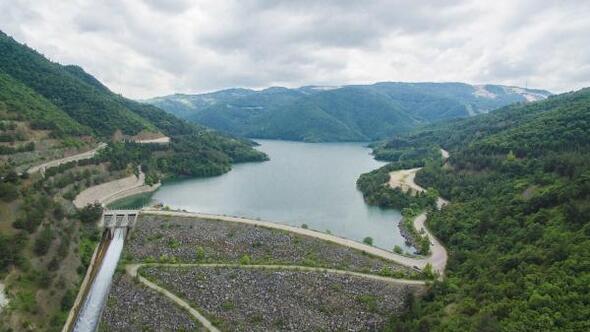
(145, 48)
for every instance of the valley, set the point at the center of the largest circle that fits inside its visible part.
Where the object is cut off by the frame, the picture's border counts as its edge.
(289, 166)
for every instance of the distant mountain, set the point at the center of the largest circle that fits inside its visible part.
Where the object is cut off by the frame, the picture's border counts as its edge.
(340, 113)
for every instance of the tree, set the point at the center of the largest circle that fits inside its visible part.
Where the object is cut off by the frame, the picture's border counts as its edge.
(43, 241)
(8, 192)
(90, 213)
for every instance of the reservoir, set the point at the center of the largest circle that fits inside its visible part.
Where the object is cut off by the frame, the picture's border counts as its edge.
(303, 183)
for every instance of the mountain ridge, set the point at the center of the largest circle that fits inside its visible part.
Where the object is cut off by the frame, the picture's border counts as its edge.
(375, 112)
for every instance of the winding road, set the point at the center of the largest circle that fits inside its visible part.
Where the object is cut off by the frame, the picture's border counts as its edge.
(159, 140)
(404, 179)
(89, 154)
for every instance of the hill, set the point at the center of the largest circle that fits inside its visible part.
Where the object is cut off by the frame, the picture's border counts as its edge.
(347, 113)
(75, 102)
(518, 226)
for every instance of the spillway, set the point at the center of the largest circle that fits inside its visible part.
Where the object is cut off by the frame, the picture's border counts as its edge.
(91, 311)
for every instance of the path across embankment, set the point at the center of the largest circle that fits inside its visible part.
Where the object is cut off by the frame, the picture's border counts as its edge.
(131, 269)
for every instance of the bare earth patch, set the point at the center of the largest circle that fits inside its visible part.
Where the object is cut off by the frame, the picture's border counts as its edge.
(404, 179)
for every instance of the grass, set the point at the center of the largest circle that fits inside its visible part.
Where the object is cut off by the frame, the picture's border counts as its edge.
(370, 301)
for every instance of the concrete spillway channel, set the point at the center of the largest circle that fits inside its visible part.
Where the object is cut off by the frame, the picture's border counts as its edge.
(87, 310)
(91, 310)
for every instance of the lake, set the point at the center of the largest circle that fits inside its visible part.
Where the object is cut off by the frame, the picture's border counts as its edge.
(303, 183)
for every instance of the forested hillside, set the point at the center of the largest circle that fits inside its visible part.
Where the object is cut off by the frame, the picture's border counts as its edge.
(348, 113)
(518, 226)
(68, 97)
(47, 112)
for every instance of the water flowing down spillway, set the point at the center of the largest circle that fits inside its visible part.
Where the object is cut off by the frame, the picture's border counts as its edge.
(90, 313)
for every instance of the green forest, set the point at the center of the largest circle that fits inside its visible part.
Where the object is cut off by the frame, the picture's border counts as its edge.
(327, 114)
(72, 103)
(518, 226)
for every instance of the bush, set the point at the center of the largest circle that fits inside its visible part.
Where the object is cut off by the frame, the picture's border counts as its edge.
(245, 260)
(10, 250)
(90, 213)
(200, 253)
(368, 240)
(67, 301)
(8, 192)
(173, 244)
(43, 242)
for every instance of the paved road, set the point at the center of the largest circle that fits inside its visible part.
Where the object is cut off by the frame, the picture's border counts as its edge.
(57, 162)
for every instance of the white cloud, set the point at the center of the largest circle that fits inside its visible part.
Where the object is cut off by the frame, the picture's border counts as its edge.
(147, 48)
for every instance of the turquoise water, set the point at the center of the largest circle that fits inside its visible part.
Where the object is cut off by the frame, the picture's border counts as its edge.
(303, 183)
(132, 202)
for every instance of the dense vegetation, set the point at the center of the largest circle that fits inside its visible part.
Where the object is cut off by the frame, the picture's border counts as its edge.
(349, 113)
(518, 226)
(373, 184)
(26, 104)
(185, 156)
(94, 107)
(40, 251)
(68, 101)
